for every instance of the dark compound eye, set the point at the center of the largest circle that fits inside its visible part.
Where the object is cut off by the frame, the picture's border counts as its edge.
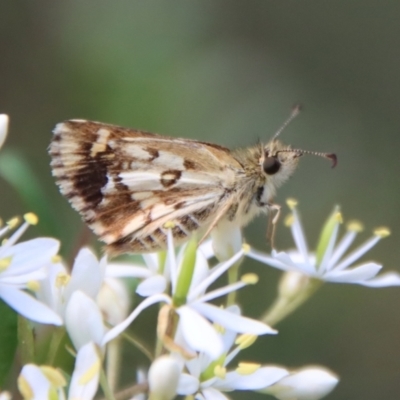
(271, 165)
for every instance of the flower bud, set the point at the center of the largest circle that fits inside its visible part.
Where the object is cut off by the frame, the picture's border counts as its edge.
(309, 383)
(163, 378)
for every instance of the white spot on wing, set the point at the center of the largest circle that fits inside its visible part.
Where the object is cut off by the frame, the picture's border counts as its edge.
(82, 121)
(100, 144)
(137, 151)
(141, 180)
(169, 160)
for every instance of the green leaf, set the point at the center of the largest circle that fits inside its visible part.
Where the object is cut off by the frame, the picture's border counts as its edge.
(8, 339)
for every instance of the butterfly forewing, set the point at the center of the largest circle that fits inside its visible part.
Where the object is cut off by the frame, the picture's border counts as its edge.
(127, 184)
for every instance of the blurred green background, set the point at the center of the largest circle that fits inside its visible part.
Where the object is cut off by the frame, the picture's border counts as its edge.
(229, 72)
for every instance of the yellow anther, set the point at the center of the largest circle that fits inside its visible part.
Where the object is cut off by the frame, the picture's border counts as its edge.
(292, 203)
(33, 285)
(31, 218)
(13, 222)
(90, 373)
(54, 376)
(355, 226)
(250, 279)
(25, 388)
(288, 221)
(382, 231)
(62, 279)
(4, 263)
(245, 340)
(247, 368)
(219, 328)
(169, 225)
(338, 217)
(220, 371)
(56, 259)
(246, 248)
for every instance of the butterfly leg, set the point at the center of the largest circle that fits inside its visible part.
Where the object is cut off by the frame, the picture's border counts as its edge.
(272, 222)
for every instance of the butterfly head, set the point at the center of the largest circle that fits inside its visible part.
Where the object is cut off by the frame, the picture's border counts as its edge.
(279, 161)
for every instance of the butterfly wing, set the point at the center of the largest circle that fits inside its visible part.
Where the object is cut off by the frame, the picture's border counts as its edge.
(127, 184)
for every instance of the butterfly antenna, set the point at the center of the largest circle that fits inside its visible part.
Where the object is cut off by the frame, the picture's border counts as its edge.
(295, 112)
(330, 156)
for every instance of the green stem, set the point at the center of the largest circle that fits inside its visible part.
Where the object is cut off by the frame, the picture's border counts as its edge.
(26, 341)
(56, 339)
(113, 362)
(233, 274)
(284, 306)
(108, 394)
(138, 345)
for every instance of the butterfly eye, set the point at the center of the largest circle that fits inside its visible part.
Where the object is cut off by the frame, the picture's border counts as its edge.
(271, 165)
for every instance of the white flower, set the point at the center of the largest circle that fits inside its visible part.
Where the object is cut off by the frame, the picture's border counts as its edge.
(154, 275)
(163, 378)
(113, 300)
(308, 383)
(85, 378)
(226, 240)
(22, 266)
(39, 383)
(154, 278)
(328, 263)
(3, 128)
(189, 281)
(87, 276)
(207, 377)
(83, 320)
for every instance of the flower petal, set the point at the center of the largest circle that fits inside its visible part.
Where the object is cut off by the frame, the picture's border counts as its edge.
(258, 380)
(85, 378)
(188, 384)
(383, 280)
(226, 239)
(29, 256)
(232, 321)
(295, 261)
(34, 381)
(116, 330)
(114, 300)
(153, 285)
(151, 260)
(353, 275)
(207, 249)
(87, 274)
(212, 394)
(310, 383)
(83, 320)
(199, 333)
(266, 259)
(117, 270)
(28, 306)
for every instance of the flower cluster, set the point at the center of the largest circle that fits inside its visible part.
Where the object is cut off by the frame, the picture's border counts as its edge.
(201, 332)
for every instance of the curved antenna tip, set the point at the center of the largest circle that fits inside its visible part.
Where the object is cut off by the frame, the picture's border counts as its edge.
(333, 158)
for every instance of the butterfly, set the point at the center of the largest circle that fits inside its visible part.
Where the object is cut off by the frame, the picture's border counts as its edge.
(130, 186)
